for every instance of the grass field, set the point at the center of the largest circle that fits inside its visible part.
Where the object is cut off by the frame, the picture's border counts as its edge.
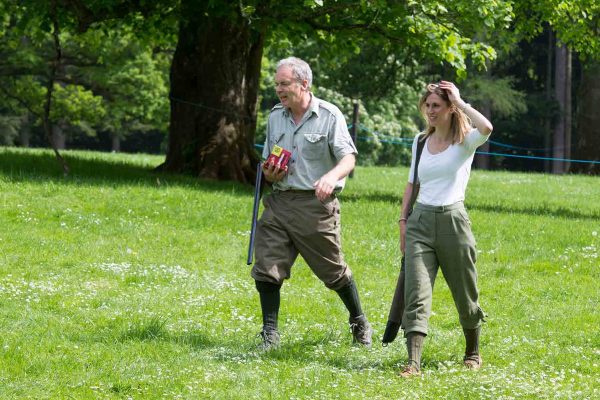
(118, 283)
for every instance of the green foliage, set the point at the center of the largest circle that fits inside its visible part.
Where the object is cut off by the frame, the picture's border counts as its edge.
(130, 76)
(24, 93)
(500, 93)
(9, 129)
(122, 283)
(425, 31)
(574, 21)
(75, 104)
(138, 92)
(109, 78)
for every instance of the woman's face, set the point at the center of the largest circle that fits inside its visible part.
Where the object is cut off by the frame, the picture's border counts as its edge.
(436, 110)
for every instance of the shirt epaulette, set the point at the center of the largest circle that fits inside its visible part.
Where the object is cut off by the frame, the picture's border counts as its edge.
(328, 106)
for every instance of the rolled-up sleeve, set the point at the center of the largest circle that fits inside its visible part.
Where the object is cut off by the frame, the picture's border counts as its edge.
(340, 141)
(474, 139)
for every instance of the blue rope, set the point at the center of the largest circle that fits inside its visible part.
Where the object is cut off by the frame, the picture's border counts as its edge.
(537, 158)
(379, 134)
(404, 140)
(407, 142)
(508, 146)
(487, 153)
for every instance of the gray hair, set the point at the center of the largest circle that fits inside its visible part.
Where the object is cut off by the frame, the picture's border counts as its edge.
(300, 68)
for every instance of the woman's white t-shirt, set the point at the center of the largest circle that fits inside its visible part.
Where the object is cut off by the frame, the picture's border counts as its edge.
(443, 177)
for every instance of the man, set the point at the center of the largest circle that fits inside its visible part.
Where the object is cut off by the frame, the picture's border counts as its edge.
(302, 215)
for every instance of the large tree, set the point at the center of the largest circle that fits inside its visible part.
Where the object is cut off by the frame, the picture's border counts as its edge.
(216, 67)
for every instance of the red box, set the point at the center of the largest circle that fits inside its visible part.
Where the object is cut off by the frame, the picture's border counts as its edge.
(279, 157)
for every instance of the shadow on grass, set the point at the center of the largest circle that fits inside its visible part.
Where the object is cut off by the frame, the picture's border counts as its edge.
(317, 348)
(17, 165)
(314, 350)
(351, 197)
(153, 329)
(541, 210)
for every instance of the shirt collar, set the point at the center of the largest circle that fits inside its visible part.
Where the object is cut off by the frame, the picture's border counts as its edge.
(313, 106)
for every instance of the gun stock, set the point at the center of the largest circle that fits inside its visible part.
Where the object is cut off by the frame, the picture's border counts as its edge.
(257, 195)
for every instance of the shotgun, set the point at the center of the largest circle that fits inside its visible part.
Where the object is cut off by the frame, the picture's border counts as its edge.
(257, 194)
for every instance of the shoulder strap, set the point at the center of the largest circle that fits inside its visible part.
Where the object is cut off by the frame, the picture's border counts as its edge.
(413, 195)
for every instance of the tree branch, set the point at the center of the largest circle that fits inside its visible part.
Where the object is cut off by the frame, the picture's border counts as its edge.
(367, 26)
(19, 100)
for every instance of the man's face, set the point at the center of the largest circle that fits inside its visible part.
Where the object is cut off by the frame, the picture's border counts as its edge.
(288, 88)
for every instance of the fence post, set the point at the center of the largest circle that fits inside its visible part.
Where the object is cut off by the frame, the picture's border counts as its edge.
(354, 128)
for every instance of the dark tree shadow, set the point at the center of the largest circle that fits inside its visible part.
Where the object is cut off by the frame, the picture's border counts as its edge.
(18, 166)
(542, 209)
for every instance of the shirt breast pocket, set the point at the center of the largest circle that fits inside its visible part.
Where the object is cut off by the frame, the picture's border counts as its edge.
(314, 146)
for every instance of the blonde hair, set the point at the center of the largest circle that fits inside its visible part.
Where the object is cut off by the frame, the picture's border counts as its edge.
(460, 123)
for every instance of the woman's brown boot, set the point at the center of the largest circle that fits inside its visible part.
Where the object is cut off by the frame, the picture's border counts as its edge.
(414, 345)
(472, 359)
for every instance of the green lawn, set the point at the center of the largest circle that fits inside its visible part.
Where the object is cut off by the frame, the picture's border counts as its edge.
(117, 282)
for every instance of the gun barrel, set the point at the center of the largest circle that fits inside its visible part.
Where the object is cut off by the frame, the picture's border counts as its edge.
(257, 194)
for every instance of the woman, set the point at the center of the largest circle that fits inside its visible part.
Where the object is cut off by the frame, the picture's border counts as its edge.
(437, 233)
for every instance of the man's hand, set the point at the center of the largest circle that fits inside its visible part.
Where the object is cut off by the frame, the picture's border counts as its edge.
(273, 173)
(325, 186)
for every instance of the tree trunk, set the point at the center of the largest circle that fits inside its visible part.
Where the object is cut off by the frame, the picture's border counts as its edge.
(214, 90)
(58, 137)
(25, 131)
(116, 143)
(548, 121)
(558, 166)
(568, 109)
(588, 119)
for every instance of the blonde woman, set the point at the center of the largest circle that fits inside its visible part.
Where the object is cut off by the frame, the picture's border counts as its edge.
(437, 234)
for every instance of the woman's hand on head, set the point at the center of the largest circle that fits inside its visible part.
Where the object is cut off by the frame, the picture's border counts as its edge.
(453, 92)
